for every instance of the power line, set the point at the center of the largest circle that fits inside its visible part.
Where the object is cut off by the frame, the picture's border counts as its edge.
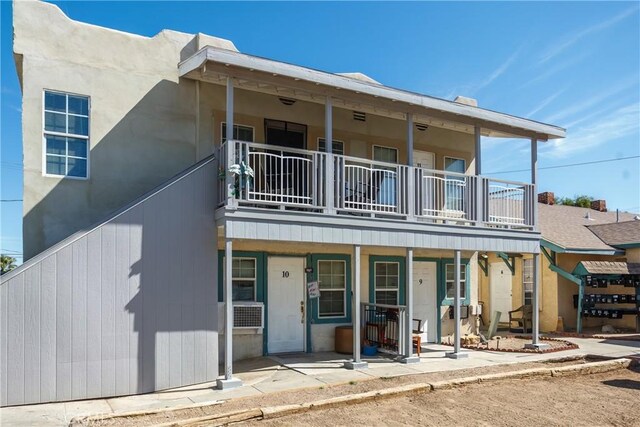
(570, 165)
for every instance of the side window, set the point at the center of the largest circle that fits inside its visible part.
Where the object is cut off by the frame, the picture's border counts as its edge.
(336, 148)
(387, 282)
(527, 281)
(385, 154)
(332, 280)
(450, 281)
(66, 135)
(240, 133)
(244, 279)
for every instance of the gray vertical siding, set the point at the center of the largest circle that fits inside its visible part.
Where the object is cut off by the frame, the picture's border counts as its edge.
(127, 307)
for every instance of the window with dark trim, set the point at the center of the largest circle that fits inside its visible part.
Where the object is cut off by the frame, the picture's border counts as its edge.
(387, 282)
(336, 148)
(332, 280)
(240, 133)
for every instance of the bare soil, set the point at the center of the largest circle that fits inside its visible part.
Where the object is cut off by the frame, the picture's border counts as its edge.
(608, 399)
(324, 392)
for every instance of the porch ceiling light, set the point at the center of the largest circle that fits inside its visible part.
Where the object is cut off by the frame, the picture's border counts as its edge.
(484, 256)
(287, 101)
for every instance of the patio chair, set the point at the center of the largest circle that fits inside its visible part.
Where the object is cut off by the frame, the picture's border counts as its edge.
(523, 316)
(417, 335)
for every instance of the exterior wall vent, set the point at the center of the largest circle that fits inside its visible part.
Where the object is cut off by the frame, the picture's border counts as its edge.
(360, 116)
(287, 101)
(248, 315)
(422, 127)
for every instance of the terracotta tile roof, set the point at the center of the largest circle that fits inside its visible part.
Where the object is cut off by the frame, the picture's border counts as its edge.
(610, 267)
(618, 233)
(567, 226)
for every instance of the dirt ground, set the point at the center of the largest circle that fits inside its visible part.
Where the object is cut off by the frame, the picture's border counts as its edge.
(324, 392)
(608, 399)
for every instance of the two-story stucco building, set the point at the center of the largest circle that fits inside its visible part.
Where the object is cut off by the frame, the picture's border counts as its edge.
(182, 205)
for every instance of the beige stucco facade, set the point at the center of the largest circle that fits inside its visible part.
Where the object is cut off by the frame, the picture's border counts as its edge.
(556, 294)
(147, 124)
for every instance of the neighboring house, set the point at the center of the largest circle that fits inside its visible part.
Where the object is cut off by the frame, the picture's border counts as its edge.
(570, 235)
(141, 216)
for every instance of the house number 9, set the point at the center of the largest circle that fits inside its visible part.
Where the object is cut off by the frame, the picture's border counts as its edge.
(420, 282)
(285, 274)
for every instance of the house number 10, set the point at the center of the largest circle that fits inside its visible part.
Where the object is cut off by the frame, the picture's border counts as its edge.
(285, 274)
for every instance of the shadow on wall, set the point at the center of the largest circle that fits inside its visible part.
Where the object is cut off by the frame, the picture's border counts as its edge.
(152, 142)
(133, 303)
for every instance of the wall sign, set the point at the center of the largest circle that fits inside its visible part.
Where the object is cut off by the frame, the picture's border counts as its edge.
(313, 289)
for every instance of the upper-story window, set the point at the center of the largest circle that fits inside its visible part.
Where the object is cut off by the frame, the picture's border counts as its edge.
(385, 154)
(240, 133)
(66, 134)
(336, 148)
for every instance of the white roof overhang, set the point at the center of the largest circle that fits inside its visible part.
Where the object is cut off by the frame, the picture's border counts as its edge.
(214, 65)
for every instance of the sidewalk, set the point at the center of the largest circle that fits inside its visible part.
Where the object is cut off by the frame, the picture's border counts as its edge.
(272, 374)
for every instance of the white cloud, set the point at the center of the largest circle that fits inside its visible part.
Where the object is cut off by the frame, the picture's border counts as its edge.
(572, 39)
(499, 71)
(544, 103)
(593, 101)
(620, 123)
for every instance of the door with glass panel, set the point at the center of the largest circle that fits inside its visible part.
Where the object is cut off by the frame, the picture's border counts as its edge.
(384, 178)
(287, 173)
(455, 187)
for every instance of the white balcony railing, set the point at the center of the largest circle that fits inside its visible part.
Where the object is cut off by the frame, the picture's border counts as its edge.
(274, 176)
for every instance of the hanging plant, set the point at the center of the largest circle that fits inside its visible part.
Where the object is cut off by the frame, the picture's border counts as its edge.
(241, 173)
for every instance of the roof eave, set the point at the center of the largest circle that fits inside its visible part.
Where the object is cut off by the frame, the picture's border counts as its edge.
(229, 58)
(581, 251)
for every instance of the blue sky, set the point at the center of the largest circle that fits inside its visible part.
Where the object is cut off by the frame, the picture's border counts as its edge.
(573, 64)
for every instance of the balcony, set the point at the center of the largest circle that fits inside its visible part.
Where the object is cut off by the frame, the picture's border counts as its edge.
(273, 177)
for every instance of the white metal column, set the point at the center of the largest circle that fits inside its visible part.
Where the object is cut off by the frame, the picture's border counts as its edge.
(408, 323)
(457, 354)
(231, 152)
(480, 183)
(228, 381)
(328, 143)
(535, 336)
(534, 181)
(411, 190)
(356, 363)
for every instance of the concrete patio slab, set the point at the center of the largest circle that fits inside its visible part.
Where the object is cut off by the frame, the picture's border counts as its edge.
(287, 372)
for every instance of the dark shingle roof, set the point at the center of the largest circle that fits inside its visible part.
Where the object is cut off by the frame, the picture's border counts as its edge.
(568, 226)
(618, 233)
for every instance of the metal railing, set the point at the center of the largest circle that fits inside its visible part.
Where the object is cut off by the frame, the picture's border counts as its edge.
(368, 186)
(446, 195)
(507, 203)
(282, 177)
(383, 326)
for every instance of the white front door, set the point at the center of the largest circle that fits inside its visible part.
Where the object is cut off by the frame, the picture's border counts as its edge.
(500, 289)
(425, 295)
(286, 304)
(424, 159)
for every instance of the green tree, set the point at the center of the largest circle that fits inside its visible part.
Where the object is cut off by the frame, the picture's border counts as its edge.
(582, 201)
(7, 263)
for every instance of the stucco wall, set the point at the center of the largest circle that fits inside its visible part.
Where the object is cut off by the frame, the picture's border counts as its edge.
(322, 336)
(125, 308)
(142, 128)
(633, 255)
(548, 291)
(359, 137)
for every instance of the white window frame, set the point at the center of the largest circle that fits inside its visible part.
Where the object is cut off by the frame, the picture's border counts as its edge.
(255, 278)
(343, 290)
(463, 281)
(224, 124)
(525, 282)
(65, 135)
(444, 164)
(373, 153)
(375, 282)
(334, 141)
